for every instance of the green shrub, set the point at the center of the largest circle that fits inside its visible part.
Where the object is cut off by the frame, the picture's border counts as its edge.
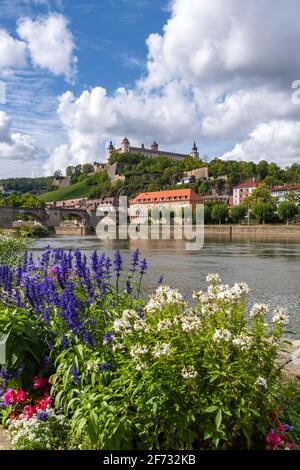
(12, 250)
(178, 377)
(45, 431)
(33, 232)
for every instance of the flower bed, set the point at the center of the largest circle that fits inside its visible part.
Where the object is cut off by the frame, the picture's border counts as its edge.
(90, 364)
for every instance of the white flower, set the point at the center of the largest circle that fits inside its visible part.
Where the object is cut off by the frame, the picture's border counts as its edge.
(201, 296)
(164, 325)
(137, 351)
(261, 382)
(92, 366)
(221, 335)
(259, 310)
(189, 372)
(280, 316)
(213, 278)
(121, 326)
(116, 346)
(140, 366)
(141, 325)
(190, 322)
(130, 315)
(162, 349)
(164, 296)
(244, 342)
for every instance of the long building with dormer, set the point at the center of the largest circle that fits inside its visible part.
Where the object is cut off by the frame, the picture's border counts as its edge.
(153, 151)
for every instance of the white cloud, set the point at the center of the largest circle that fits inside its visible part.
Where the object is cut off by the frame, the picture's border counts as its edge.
(209, 41)
(92, 119)
(59, 160)
(50, 43)
(218, 73)
(15, 146)
(276, 141)
(12, 51)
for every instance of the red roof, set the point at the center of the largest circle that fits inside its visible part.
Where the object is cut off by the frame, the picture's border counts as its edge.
(166, 196)
(286, 187)
(247, 184)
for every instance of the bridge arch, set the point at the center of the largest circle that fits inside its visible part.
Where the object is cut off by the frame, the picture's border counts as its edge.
(81, 216)
(35, 214)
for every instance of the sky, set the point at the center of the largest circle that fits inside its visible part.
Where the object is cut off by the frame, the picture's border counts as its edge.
(76, 74)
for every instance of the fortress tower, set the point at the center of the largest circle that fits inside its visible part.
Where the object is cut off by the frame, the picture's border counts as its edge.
(125, 146)
(195, 153)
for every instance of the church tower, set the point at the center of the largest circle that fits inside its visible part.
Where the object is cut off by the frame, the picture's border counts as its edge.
(195, 153)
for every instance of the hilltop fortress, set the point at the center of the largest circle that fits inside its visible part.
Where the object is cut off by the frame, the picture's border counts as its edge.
(149, 152)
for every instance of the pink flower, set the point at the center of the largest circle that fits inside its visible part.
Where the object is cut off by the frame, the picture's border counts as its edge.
(21, 396)
(53, 271)
(289, 446)
(9, 397)
(281, 428)
(28, 412)
(39, 382)
(273, 439)
(42, 404)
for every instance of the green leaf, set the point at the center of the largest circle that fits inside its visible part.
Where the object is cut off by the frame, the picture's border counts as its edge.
(218, 419)
(211, 409)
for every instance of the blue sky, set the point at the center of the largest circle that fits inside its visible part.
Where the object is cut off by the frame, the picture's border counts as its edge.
(79, 73)
(109, 35)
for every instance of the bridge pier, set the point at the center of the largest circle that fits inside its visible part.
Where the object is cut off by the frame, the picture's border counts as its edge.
(7, 215)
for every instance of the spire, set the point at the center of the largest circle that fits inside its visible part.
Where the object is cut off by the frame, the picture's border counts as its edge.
(195, 153)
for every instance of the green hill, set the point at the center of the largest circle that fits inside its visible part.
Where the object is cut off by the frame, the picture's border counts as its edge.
(75, 191)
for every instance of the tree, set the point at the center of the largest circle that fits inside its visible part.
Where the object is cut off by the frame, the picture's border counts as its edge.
(87, 168)
(203, 188)
(58, 175)
(263, 211)
(237, 213)
(293, 196)
(70, 170)
(287, 210)
(23, 200)
(262, 169)
(219, 212)
(207, 213)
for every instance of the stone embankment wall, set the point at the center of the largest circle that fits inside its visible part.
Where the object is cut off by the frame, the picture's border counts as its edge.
(253, 230)
(71, 230)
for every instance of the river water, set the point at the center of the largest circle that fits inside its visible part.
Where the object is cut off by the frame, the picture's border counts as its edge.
(270, 267)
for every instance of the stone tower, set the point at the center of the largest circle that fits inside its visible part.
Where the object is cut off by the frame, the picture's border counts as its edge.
(125, 145)
(195, 153)
(154, 147)
(110, 149)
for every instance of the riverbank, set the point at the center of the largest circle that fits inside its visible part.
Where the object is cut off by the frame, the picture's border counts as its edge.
(253, 230)
(4, 440)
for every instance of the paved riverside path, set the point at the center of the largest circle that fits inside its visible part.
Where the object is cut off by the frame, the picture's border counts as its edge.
(4, 440)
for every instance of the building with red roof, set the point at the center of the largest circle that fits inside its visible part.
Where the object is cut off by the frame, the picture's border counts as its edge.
(243, 190)
(173, 199)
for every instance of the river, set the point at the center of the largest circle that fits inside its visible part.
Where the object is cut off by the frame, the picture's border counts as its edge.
(270, 267)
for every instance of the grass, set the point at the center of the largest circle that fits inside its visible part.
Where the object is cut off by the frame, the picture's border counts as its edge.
(75, 191)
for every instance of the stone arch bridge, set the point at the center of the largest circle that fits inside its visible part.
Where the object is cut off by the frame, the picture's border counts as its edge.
(49, 218)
